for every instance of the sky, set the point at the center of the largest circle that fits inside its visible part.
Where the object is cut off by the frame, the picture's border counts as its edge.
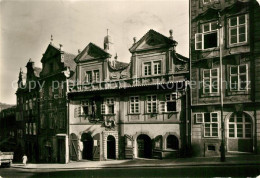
(26, 28)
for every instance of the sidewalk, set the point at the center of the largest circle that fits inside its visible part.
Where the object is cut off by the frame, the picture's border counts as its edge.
(198, 161)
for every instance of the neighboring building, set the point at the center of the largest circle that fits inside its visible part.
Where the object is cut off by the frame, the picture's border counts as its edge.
(140, 109)
(27, 112)
(8, 130)
(240, 47)
(57, 67)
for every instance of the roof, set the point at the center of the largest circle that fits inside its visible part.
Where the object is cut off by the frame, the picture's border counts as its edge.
(91, 51)
(151, 32)
(181, 57)
(69, 60)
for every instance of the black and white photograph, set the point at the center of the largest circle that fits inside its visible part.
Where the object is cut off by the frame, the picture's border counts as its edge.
(129, 88)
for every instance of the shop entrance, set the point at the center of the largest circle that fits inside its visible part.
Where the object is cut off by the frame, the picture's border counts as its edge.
(87, 146)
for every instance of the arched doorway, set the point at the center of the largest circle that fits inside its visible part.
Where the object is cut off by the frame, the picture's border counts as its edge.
(111, 147)
(87, 152)
(172, 142)
(144, 145)
(240, 132)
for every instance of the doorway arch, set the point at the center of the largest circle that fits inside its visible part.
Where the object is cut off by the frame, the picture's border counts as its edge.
(172, 142)
(87, 141)
(240, 132)
(111, 147)
(144, 146)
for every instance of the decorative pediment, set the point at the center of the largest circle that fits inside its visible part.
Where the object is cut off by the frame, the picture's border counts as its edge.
(209, 14)
(239, 6)
(92, 51)
(51, 51)
(150, 40)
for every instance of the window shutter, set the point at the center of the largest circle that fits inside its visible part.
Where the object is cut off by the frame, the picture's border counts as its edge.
(75, 112)
(79, 111)
(162, 106)
(103, 109)
(198, 41)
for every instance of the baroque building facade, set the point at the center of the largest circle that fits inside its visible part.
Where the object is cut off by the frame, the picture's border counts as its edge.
(129, 110)
(226, 30)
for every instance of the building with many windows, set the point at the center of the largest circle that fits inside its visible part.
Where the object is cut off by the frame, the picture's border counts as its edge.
(227, 32)
(121, 111)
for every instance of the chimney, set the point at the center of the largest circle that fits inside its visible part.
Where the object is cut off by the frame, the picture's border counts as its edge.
(61, 47)
(79, 51)
(170, 31)
(51, 39)
(134, 40)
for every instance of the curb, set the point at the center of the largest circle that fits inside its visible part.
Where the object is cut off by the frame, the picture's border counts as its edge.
(143, 166)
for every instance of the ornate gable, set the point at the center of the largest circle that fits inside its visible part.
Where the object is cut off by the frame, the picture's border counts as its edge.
(152, 40)
(50, 52)
(92, 51)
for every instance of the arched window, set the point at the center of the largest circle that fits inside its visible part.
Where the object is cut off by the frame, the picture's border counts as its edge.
(172, 142)
(240, 126)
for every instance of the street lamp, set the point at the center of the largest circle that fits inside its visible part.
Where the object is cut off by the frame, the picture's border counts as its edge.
(222, 146)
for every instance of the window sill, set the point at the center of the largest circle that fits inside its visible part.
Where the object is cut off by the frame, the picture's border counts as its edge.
(243, 92)
(134, 113)
(109, 114)
(154, 113)
(170, 112)
(237, 44)
(239, 138)
(210, 137)
(209, 95)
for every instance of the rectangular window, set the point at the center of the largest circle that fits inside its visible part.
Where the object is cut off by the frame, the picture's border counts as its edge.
(211, 125)
(210, 81)
(151, 104)
(199, 118)
(85, 108)
(26, 128)
(34, 128)
(51, 121)
(30, 104)
(208, 38)
(96, 75)
(147, 68)
(157, 67)
(134, 104)
(238, 78)
(110, 106)
(171, 103)
(238, 29)
(88, 77)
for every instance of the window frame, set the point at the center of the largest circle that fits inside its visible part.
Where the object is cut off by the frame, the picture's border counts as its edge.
(196, 118)
(136, 105)
(88, 77)
(237, 26)
(105, 106)
(151, 65)
(211, 126)
(96, 78)
(243, 123)
(203, 33)
(151, 102)
(238, 74)
(210, 1)
(210, 79)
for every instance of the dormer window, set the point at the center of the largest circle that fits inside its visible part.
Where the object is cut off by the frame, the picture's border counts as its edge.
(147, 68)
(88, 77)
(152, 68)
(208, 39)
(96, 75)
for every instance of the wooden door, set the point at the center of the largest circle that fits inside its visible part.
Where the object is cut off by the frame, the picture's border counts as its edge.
(96, 147)
(128, 147)
(73, 147)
